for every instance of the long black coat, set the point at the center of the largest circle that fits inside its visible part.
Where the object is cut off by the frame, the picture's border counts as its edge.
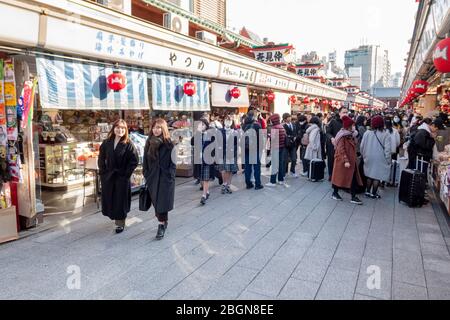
(160, 177)
(115, 170)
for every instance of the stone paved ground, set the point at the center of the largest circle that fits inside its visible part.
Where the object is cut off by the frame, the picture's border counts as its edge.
(294, 243)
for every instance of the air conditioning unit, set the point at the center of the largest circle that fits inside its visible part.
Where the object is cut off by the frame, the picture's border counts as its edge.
(176, 23)
(206, 37)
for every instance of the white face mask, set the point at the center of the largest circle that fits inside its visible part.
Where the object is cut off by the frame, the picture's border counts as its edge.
(397, 119)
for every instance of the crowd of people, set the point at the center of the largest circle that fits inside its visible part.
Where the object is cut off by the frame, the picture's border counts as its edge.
(358, 150)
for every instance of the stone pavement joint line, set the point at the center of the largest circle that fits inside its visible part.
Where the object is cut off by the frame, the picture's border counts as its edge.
(277, 243)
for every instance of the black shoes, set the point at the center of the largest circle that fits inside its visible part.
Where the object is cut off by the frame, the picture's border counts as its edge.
(197, 182)
(203, 200)
(161, 231)
(119, 229)
(250, 186)
(355, 200)
(337, 197)
(259, 187)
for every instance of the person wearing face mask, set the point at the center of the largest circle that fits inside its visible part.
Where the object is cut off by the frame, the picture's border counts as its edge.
(228, 165)
(333, 128)
(117, 160)
(159, 172)
(302, 126)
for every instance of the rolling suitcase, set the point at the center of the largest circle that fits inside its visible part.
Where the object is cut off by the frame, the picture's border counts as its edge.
(316, 170)
(412, 188)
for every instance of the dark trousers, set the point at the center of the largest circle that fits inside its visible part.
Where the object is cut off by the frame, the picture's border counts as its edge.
(305, 162)
(291, 158)
(353, 188)
(162, 217)
(249, 168)
(282, 153)
(330, 160)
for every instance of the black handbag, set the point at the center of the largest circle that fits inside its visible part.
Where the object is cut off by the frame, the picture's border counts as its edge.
(145, 202)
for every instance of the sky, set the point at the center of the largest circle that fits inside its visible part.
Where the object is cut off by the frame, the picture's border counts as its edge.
(328, 25)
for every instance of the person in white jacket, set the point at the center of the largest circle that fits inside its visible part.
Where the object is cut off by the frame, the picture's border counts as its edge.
(313, 149)
(395, 138)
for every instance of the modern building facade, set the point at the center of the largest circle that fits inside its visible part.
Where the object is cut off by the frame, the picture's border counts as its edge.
(374, 63)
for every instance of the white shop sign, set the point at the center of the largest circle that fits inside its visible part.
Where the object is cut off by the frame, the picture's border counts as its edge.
(263, 79)
(97, 43)
(234, 73)
(18, 26)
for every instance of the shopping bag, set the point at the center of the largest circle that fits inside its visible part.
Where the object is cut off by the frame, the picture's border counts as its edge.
(145, 201)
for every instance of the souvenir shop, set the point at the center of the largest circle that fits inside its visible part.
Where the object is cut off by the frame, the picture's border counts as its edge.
(10, 149)
(229, 100)
(180, 100)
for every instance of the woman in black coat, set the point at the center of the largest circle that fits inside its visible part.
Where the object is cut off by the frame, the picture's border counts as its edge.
(117, 160)
(159, 173)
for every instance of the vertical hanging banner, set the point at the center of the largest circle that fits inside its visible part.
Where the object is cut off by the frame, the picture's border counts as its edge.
(10, 83)
(3, 137)
(27, 100)
(10, 101)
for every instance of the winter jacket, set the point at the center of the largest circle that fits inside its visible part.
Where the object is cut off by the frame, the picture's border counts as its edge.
(313, 149)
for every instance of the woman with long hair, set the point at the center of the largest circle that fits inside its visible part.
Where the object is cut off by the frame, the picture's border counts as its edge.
(159, 172)
(116, 162)
(229, 145)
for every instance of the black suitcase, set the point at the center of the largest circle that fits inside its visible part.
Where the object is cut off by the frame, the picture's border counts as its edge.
(412, 188)
(316, 170)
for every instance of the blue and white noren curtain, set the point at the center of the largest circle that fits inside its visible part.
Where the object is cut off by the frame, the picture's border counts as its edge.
(70, 84)
(168, 95)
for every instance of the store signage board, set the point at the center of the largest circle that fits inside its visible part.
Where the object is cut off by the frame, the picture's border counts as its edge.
(265, 80)
(26, 33)
(309, 71)
(276, 55)
(238, 74)
(93, 42)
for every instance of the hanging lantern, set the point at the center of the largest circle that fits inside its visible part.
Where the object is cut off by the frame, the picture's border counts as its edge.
(325, 102)
(116, 81)
(441, 56)
(235, 93)
(306, 100)
(293, 99)
(190, 88)
(419, 87)
(270, 96)
(316, 101)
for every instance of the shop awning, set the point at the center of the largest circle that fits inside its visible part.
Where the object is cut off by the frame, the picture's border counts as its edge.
(168, 94)
(221, 96)
(72, 84)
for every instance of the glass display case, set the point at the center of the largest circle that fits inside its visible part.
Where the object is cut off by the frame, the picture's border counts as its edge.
(60, 165)
(182, 139)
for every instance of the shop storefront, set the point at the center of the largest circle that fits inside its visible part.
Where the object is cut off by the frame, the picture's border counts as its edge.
(172, 102)
(74, 107)
(229, 100)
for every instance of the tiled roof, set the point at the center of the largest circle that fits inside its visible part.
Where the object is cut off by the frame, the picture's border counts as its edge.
(169, 7)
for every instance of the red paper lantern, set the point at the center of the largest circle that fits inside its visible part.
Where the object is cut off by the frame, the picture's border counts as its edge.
(441, 56)
(420, 86)
(190, 88)
(293, 99)
(316, 100)
(306, 100)
(325, 102)
(270, 96)
(235, 92)
(116, 81)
